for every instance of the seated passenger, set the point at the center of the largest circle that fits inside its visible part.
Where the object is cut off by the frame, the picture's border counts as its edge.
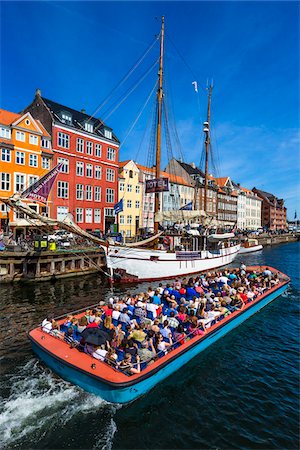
(147, 352)
(128, 367)
(47, 324)
(138, 334)
(173, 322)
(163, 346)
(179, 334)
(165, 331)
(116, 312)
(100, 352)
(82, 324)
(194, 330)
(131, 347)
(69, 338)
(155, 326)
(191, 318)
(111, 357)
(152, 308)
(124, 317)
(55, 331)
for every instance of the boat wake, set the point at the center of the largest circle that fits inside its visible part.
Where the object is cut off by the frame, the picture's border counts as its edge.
(38, 402)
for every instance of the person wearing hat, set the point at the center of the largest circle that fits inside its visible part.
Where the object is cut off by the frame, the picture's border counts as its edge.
(147, 352)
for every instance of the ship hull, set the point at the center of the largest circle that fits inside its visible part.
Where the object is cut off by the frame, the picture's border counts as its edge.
(254, 248)
(135, 387)
(148, 265)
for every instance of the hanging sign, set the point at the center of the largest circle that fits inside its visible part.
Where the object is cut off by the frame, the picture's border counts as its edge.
(157, 185)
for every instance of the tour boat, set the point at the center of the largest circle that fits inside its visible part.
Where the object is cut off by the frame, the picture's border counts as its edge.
(99, 378)
(249, 246)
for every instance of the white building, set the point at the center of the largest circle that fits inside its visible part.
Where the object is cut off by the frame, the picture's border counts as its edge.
(248, 209)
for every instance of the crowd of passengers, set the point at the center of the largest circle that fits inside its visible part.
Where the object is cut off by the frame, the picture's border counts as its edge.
(146, 326)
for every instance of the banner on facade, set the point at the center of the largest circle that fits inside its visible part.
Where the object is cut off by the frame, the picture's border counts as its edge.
(40, 190)
(157, 185)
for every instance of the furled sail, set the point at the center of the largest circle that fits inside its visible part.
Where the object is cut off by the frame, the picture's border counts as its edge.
(40, 190)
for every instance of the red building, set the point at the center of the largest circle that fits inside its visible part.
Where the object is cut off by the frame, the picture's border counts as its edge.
(87, 186)
(273, 211)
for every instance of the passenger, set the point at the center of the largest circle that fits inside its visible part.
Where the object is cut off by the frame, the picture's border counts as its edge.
(124, 317)
(100, 352)
(128, 367)
(47, 324)
(69, 337)
(165, 331)
(152, 308)
(82, 324)
(179, 335)
(163, 346)
(147, 352)
(131, 347)
(138, 334)
(173, 322)
(116, 312)
(111, 357)
(194, 330)
(191, 318)
(55, 331)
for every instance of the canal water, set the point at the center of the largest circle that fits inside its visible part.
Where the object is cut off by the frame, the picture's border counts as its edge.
(242, 392)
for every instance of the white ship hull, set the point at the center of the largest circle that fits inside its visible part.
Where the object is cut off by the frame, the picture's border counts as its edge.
(147, 265)
(254, 248)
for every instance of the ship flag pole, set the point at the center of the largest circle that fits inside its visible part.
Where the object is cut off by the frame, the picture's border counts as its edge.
(159, 119)
(206, 129)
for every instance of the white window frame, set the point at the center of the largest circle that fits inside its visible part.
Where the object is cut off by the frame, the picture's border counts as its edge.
(20, 136)
(129, 204)
(89, 148)
(45, 162)
(5, 181)
(32, 179)
(97, 215)
(137, 204)
(89, 193)
(97, 194)
(45, 143)
(137, 189)
(121, 219)
(111, 154)
(98, 150)
(110, 175)
(79, 191)
(18, 182)
(5, 133)
(89, 215)
(110, 195)
(79, 215)
(22, 156)
(33, 160)
(129, 187)
(33, 139)
(63, 140)
(6, 154)
(89, 170)
(61, 212)
(79, 168)
(98, 172)
(62, 189)
(79, 145)
(122, 187)
(89, 127)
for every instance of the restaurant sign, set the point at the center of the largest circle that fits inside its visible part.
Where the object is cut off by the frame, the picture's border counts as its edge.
(157, 185)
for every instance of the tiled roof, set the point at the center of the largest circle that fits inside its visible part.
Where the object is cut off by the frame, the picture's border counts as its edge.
(8, 117)
(221, 181)
(190, 169)
(78, 118)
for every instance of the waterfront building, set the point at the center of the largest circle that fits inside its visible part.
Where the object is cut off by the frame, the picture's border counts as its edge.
(196, 178)
(87, 186)
(273, 211)
(26, 155)
(227, 202)
(131, 192)
(248, 209)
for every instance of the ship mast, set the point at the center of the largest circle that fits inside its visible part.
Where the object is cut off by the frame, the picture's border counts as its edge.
(206, 130)
(159, 118)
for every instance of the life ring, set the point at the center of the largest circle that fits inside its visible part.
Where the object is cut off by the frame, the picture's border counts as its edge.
(167, 241)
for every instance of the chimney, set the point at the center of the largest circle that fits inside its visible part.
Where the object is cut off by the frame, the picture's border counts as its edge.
(83, 111)
(38, 92)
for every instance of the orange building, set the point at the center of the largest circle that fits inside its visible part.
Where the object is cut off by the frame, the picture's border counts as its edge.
(25, 155)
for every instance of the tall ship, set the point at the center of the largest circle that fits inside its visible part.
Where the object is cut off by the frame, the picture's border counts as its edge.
(160, 256)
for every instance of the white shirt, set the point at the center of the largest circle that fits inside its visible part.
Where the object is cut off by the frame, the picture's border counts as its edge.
(223, 279)
(100, 354)
(46, 326)
(152, 308)
(116, 315)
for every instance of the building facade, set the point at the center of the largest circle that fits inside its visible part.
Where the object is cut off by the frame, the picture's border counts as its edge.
(87, 186)
(248, 209)
(227, 202)
(131, 192)
(26, 155)
(273, 211)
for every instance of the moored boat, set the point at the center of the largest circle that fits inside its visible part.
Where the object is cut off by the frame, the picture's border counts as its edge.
(249, 246)
(116, 386)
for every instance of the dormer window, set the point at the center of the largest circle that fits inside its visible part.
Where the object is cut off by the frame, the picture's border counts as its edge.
(107, 133)
(66, 118)
(88, 127)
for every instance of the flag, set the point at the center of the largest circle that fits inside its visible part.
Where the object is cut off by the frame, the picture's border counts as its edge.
(118, 207)
(195, 85)
(187, 207)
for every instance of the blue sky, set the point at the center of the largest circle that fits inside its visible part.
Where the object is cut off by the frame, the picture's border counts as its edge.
(77, 52)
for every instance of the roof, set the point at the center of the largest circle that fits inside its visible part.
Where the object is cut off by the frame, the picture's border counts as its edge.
(45, 132)
(221, 181)
(190, 169)
(78, 118)
(171, 176)
(8, 117)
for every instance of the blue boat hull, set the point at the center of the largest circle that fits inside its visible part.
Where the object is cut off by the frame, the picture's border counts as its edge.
(127, 394)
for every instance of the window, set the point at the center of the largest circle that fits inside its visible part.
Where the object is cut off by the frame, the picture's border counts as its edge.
(89, 148)
(129, 188)
(98, 171)
(107, 133)
(97, 194)
(66, 118)
(33, 160)
(65, 165)
(110, 196)
(122, 187)
(19, 182)
(97, 215)
(129, 220)
(110, 175)
(137, 189)
(88, 215)
(88, 127)
(5, 133)
(20, 158)
(79, 215)
(32, 179)
(5, 181)
(79, 168)
(5, 154)
(98, 150)
(45, 143)
(62, 189)
(61, 212)
(129, 203)
(45, 162)
(89, 170)
(79, 191)
(130, 173)
(20, 136)
(63, 140)
(79, 145)
(137, 204)
(111, 154)
(109, 212)
(121, 220)
(89, 192)
(33, 139)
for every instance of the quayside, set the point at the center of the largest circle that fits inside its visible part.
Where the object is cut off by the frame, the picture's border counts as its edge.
(114, 385)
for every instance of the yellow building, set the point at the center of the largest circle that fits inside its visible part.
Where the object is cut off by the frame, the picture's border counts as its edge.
(25, 155)
(131, 191)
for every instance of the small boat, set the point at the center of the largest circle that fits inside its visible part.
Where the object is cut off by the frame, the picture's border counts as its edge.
(115, 386)
(249, 246)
